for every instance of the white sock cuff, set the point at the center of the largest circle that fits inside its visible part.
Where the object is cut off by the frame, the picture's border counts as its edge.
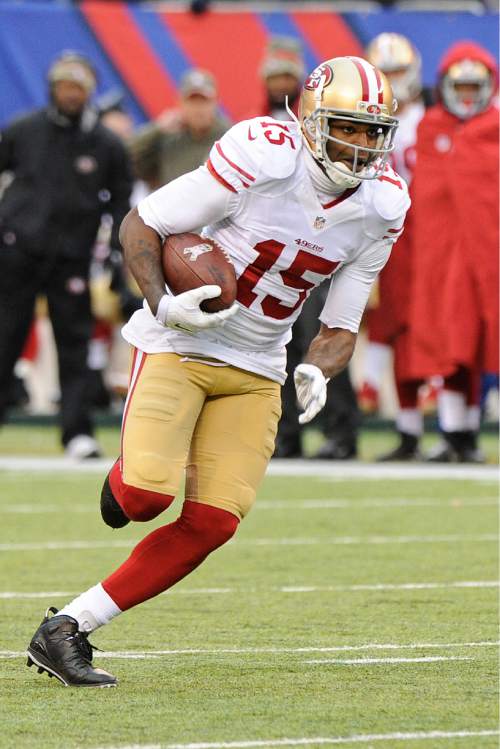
(410, 421)
(92, 609)
(376, 362)
(473, 418)
(452, 411)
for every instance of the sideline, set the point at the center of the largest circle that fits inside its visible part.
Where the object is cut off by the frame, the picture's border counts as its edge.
(319, 468)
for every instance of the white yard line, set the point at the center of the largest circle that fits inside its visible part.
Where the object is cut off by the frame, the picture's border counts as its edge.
(312, 541)
(389, 586)
(316, 468)
(366, 540)
(290, 505)
(384, 661)
(363, 738)
(277, 651)
(341, 504)
(458, 585)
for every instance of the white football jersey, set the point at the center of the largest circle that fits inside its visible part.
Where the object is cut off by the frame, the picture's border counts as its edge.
(256, 199)
(403, 156)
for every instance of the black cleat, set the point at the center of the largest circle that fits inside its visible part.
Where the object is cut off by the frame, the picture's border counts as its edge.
(111, 512)
(287, 449)
(442, 453)
(60, 649)
(406, 450)
(334, 449)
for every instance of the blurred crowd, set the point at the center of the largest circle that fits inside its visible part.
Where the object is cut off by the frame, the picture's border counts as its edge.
(431, 326)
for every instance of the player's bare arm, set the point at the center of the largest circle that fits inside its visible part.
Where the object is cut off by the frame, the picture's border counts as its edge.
(142, 250)
(331, 350)
(328, 354)
(142, 246)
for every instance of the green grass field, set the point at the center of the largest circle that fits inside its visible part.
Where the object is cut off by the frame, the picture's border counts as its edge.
(355, 612)
(44, 441)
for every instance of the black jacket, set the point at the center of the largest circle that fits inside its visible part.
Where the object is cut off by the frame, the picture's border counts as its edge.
(65, 177)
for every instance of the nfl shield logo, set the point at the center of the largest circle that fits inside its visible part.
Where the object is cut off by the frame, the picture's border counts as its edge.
(319, 222)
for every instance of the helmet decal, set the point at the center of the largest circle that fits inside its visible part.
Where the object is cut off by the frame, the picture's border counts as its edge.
(322, 74)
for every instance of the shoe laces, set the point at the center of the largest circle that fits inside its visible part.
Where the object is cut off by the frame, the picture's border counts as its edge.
(83, 648)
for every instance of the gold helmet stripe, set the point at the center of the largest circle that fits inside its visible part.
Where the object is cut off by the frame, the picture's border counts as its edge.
(371, 83)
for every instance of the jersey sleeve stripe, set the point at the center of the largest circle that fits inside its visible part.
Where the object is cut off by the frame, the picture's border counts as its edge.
(231, 163)
(395, 231)
(218, 177)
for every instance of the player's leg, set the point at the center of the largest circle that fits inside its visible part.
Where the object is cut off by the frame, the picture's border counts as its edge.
(459, 417)
(233, 442)
(163, 409)
(409, 423)
(377, 361)
(341, 418)
(230, 448)
(377, 356)
(68, 299)
(18, 289)
(458, 411)
(160, 413)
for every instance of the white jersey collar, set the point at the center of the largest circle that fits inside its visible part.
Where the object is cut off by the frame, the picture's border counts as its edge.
(323, 186)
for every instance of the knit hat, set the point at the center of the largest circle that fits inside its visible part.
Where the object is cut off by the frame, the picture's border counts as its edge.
(71, 66)
(199, 82)
(283, 55)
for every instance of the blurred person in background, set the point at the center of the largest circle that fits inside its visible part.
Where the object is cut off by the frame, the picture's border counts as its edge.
(180, 140)
(454, 300)
(68, 170)
(114, 294)
(387, 321)
(282, 73)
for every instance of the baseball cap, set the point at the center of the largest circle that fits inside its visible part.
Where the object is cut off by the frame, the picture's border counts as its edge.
(199, 82)
(71, 66)
(283, 55)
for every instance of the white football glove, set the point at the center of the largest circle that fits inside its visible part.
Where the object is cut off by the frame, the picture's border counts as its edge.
(310, 385)
(183, 311)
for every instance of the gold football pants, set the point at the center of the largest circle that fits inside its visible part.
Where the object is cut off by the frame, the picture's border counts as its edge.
(216, 423)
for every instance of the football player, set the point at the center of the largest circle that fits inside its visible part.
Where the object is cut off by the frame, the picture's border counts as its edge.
(387, 323)
(454, 301)
(292, 203)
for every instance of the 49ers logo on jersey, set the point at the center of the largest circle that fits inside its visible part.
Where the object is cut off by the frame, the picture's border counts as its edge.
(322, 74)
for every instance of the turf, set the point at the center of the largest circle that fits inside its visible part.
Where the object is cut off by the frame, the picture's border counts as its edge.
(44, 441)
(284, 592)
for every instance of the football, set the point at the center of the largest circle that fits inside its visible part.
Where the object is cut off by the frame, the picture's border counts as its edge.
(190, 261)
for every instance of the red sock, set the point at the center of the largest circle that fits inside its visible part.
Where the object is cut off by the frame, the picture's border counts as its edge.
(170, 553)
(408, 392)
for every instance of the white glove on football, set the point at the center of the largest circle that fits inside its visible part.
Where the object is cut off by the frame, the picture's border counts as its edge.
(310, 385)
(183, 311)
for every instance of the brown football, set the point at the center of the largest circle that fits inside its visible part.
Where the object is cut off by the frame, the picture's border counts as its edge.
(190, 261)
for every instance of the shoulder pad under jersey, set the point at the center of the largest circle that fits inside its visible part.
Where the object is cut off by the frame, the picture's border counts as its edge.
(390, 195)
(389, 203)
(254, 152)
